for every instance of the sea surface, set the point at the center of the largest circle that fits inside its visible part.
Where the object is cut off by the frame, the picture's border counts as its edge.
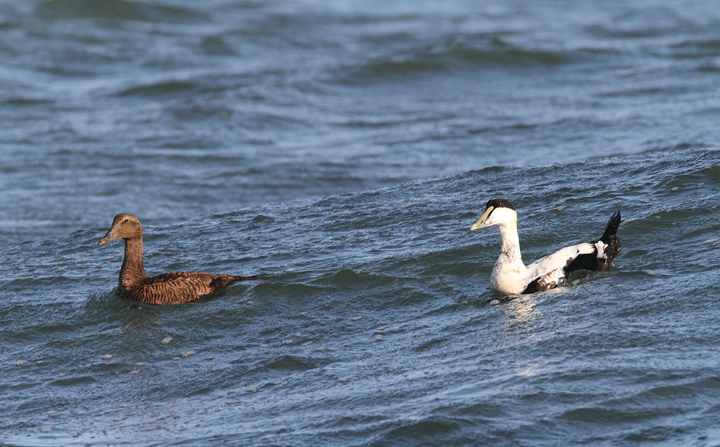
(342, 150)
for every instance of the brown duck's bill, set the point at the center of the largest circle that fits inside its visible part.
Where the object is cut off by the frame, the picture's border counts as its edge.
(481, 222)
(108, 237)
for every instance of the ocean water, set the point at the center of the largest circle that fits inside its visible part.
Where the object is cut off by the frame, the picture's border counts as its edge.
(342, 150)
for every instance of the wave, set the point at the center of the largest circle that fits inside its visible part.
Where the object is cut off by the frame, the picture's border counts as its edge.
(119, 10)
(375, 319)
(456, 52)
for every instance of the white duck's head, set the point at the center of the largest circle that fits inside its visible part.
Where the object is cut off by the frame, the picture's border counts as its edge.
(498, 212)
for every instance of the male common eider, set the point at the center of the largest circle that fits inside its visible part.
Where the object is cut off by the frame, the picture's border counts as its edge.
(510, 276)
(168, 288)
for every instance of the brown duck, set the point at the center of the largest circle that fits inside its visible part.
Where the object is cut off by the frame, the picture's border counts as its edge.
(168, 288)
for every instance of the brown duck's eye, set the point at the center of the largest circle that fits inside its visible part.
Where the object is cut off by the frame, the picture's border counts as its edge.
(127, 220)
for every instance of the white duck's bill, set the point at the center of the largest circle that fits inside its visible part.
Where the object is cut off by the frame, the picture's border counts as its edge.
(481, 222)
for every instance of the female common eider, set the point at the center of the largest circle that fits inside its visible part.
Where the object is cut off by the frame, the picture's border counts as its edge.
(511, 277)
(168, 288)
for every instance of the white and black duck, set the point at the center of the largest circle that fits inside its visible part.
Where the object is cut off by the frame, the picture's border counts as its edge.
(511, 276)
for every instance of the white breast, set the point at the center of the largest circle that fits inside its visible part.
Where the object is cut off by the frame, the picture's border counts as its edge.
(510, 278)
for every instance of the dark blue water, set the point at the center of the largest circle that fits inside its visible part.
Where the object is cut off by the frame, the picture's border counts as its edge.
(343, 150)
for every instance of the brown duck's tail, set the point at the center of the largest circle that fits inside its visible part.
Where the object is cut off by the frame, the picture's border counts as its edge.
(247, 278)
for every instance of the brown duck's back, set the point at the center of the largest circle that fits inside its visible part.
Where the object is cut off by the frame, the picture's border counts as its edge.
(178, 287)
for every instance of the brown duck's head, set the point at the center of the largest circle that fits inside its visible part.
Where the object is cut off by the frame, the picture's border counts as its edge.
(124, 226)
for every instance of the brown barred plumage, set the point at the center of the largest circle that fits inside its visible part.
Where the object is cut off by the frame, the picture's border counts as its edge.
(167, 288)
